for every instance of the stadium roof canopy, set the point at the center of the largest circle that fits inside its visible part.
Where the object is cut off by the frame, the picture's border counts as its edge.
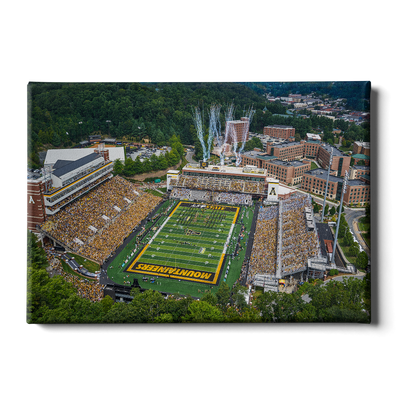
(72, 165)
(53, 155)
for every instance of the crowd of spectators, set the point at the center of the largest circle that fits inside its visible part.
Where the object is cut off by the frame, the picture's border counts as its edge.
(217, 184)
(263, 255)
(233, 198)
(88, 289)
(97, 223)
(78, 193)
(298, 244)
(217, 197)
(180, 193)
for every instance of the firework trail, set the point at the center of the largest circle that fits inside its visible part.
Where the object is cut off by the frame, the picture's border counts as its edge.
(249, 116)
(215, 127)
(198, 123)
(230, 112)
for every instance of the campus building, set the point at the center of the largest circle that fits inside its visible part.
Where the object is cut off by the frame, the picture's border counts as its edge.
(361, 148)
(358, 191)
(289, 172)
(237, 130)
(311, 149)
(64, 180)
(280, 131)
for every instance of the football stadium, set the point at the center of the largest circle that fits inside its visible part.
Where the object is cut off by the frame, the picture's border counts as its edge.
(211, 224)
(190, 245)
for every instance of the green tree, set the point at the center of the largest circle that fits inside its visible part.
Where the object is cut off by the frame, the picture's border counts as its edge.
(210, 298)
(307, 314)
(223, 296)
(137, 166)
(332, 211)
(129, 167)
(238, 296)
(147, 306)
(164, 318)
(147, 165)
(173, 157)
(201, 311)
(354, 249)
(339, 314)
(264, 304)
(118, 167)
(348, 238)
(362, 260)
(56, 140)
(162, 162)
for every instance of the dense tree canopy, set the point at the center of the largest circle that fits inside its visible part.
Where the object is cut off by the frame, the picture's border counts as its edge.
(63, 114)
(53, 300)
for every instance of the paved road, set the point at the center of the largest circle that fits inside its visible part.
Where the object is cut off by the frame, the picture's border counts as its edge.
(189, 157)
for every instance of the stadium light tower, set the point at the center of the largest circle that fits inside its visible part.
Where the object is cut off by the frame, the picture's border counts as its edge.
(326, 187)
(346, 177)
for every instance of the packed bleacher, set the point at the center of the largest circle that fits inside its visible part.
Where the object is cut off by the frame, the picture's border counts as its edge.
(263, 255)
(298, 244)
(96, 224)
(217, 197)
(217, 184)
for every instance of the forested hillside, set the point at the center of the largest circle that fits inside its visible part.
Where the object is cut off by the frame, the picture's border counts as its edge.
(63, 114)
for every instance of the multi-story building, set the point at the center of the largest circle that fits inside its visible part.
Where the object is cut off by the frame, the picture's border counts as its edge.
(358, 191)
(340, 161)
(290, 172)
(311, 149)
(361, 148)
(64, 181)
(358, 171)
(280, 131)
(286, 151)
(237, 130)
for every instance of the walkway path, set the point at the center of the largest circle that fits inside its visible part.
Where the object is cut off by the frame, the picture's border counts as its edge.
(359, 237)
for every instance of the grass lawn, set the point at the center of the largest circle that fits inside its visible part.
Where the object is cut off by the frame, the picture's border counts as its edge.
(314, 166)
(68, 269)
(192, 238)
(164, 189)
(367, 239)
(363, 224)
(117, 274)
(345, 249)
(154, 192)
(91, 266)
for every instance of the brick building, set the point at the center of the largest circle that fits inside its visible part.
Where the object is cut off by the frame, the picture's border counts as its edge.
(238, 129)
(358, 171)
(286, 151)
(358, 191)
(361, 148)
(36, 209)
(63, 182)
(280, 131)
(340, 161)
(290, 172)
(311, 149)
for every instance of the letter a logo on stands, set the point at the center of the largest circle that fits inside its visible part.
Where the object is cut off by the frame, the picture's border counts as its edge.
(272, 192)
(31, 200)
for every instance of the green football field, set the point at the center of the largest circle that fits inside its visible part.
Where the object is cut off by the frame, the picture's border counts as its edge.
(189, 245)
